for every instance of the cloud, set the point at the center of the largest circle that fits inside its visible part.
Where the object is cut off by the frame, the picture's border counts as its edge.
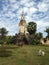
(34, 10)
(12, 1)
(41, 27)
(43, 7)
(32, 3)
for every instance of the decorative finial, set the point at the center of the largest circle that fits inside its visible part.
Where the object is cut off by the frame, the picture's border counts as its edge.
(22, 16)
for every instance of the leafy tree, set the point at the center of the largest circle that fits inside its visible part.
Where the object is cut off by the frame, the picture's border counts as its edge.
(3, 33)
(14, 39)
(38, 35)
(36, 39)
(47, 31)
(1, 41)
(31, 27)
(9, 39)
(35, 42)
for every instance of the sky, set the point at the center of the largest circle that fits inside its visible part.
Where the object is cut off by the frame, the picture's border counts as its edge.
(34, 10)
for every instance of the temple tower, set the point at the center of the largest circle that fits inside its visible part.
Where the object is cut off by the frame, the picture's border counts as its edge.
(22, 24)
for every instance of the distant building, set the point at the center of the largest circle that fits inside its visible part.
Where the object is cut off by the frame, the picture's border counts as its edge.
(23, 24)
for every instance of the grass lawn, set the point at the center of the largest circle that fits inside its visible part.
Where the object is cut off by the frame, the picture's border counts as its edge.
(26, 55)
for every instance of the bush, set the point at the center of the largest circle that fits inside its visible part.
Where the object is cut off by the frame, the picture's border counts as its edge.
(1, 41)
(35, 42)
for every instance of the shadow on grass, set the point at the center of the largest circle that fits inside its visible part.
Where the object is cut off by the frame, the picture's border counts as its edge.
(5, 53)
(8, 47)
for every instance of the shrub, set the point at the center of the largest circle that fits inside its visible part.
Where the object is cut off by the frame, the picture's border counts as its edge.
(35, 42)
(1, 41)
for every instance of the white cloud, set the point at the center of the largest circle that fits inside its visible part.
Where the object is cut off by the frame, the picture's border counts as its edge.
(10, 26)
(32, 10)
(28, 19)
(25, 9)
(29, 7)
(2, 24)
(30, 4)
(5, 8)
(41, 25)
(24, 1)
(43, 7)
(12, 1)
(14, 6)
(46, 1)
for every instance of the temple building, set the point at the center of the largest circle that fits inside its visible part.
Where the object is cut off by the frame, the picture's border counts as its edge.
(22, 24)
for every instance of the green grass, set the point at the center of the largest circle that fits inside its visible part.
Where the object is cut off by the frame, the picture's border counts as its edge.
(26, 55)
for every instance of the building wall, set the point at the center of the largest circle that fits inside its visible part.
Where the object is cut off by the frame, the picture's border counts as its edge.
(21, 29)
(44, 43)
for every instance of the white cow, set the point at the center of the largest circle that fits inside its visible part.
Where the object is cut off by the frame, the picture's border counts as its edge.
(41, 53)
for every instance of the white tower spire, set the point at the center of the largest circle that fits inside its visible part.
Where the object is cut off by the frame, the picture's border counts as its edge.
(22, 16)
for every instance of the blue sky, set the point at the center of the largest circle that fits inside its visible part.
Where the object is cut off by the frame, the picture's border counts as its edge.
(34, 10)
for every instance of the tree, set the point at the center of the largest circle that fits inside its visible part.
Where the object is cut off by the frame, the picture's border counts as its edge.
(47, 31)
(37, 39)
(9, 39)
(14, 39)
(38, 35)
(3, 33)
(31, 27)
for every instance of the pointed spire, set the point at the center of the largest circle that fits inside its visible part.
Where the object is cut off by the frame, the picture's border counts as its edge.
(22, 16)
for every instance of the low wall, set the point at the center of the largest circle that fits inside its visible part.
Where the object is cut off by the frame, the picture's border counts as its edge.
(44, 43)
